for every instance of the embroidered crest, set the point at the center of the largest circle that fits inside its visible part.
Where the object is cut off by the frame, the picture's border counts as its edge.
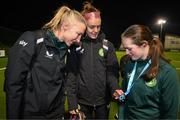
(151, 83)
(101, 52)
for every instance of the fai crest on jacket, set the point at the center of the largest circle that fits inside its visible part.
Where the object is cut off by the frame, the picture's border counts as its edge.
(151, 83)
(101, 52)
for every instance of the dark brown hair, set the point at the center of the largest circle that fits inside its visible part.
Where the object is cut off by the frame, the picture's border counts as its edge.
(88, 8)
(141, 33)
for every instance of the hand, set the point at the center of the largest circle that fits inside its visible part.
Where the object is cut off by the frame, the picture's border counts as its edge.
(74, 111)
(117, 93)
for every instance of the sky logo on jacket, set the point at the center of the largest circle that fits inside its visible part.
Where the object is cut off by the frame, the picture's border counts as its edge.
(23, 43)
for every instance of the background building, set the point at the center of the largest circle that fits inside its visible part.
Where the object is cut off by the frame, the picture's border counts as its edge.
(172, 42)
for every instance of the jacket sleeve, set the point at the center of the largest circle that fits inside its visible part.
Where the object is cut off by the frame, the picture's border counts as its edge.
(72, 82)
(170, 95)
(112, 69)
(16, 72)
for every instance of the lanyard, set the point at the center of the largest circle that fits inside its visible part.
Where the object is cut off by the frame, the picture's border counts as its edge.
(130, 83)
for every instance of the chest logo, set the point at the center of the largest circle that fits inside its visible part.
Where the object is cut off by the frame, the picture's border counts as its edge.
(48, 55)
(23, 43)
(101, 52)
(151, 83)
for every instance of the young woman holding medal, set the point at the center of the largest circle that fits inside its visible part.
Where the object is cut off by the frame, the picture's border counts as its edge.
(150, 83)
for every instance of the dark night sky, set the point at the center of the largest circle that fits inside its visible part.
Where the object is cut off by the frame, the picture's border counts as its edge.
(117, 15)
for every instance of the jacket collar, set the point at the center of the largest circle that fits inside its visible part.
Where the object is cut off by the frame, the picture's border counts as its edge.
(99, 38)
(53, 41)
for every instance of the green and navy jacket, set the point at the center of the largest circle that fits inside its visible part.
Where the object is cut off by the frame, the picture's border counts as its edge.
(154, 99)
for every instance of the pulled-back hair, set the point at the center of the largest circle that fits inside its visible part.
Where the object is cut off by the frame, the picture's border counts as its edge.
(88, 8)
(141, 33)
(64, 14)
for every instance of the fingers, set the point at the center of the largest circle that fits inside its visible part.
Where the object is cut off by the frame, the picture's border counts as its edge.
(72, 112)
(117, 93)
(120, 92)
(77, 111)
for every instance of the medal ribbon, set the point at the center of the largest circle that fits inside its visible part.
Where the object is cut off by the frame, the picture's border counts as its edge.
(130, 83)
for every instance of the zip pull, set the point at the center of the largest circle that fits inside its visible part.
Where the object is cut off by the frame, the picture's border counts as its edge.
(94, 107)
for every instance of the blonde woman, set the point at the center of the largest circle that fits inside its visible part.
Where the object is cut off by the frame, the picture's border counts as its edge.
(35, 75)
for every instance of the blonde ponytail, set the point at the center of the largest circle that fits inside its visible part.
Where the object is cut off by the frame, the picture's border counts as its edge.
(64, 14)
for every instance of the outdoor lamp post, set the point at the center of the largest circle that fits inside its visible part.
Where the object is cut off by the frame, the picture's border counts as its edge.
(161, 22)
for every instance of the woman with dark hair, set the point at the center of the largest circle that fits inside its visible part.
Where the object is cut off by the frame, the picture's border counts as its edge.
(150, 84)
(98, 70)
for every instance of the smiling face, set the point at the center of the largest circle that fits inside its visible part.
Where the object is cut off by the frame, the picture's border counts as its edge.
(74, 33)
(93, 25)
(71, 33)
(134, 51)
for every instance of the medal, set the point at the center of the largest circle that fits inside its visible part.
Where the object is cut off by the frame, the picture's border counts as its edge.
(122, 98)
